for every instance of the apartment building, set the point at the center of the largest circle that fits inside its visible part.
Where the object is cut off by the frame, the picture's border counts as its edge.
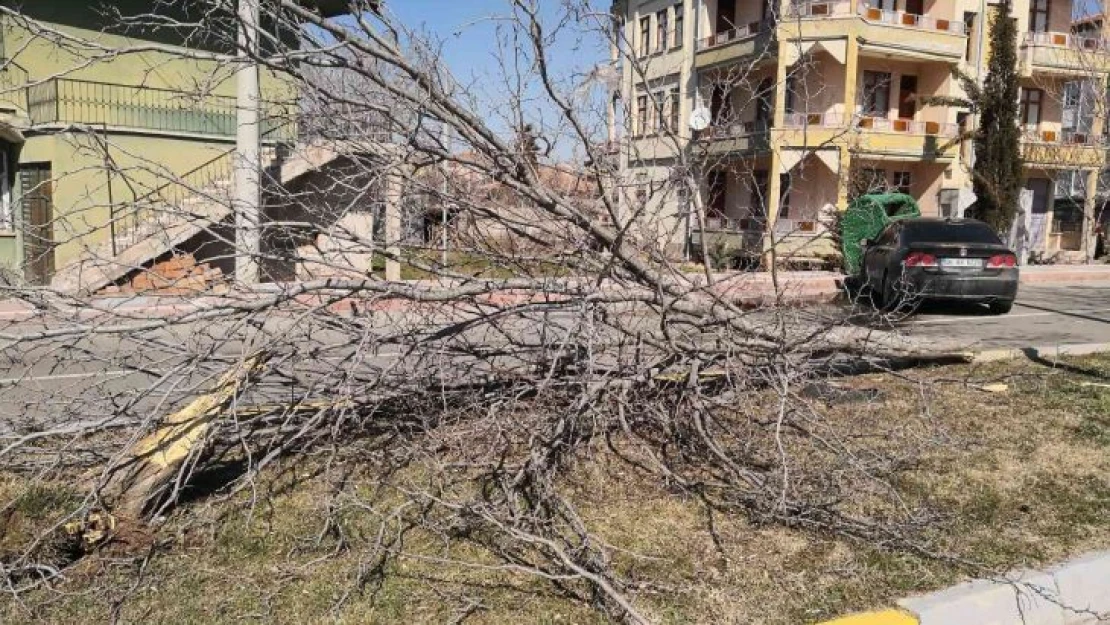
(88, 136)
(810, 102)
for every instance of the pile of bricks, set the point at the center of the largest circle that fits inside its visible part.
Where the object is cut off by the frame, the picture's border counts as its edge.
(178, 275)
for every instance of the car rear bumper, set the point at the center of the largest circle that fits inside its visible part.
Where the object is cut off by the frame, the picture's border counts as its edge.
(1000, 286)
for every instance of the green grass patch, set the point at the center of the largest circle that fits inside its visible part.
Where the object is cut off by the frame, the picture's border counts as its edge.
(1019, 478)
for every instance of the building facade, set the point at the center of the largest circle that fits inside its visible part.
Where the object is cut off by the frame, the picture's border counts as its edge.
(98, 118)
(808, 103)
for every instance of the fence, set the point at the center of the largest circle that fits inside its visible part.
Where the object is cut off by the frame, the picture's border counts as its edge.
(69, 101)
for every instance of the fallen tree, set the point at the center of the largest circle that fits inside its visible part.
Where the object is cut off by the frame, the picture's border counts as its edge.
(470, 408)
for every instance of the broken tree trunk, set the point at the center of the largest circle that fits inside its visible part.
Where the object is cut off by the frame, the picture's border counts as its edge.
(155, 460)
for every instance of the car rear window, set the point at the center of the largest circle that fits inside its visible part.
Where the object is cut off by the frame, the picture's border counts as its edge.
(940, 232)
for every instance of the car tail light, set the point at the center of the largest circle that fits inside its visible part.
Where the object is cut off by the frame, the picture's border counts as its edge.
(920, 259)
(999, 261)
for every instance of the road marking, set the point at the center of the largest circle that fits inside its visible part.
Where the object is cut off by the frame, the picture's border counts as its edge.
(69, 376)
(970, 319)
(126, 372)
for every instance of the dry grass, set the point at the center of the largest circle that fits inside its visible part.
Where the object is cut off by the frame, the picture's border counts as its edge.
(1022, 479)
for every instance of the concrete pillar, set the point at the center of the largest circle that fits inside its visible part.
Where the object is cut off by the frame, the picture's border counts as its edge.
(844, 179)
(1089, 216)
(851, 71)
(248, 188)
(1090, 208)
(392, 225)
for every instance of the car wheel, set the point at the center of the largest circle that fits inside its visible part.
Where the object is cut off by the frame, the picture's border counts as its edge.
(890, 300)
(1000, 307)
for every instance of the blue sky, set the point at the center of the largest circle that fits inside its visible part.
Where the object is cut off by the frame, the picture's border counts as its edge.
(468, 26)
(469, 31)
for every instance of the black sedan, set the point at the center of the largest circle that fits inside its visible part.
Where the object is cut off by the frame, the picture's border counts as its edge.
(919, 259)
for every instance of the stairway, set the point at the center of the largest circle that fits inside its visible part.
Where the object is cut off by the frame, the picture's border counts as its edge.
(166, 219)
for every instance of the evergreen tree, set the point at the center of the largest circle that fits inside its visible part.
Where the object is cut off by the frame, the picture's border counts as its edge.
(996, 176)
(997, 171)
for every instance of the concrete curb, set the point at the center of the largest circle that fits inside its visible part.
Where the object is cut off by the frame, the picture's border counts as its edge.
(1076, 592)
(1053, 352)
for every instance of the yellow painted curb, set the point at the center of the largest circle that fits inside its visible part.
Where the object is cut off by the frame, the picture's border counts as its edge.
(886, 617)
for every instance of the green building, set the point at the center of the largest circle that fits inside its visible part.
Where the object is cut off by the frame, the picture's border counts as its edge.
(87, 134)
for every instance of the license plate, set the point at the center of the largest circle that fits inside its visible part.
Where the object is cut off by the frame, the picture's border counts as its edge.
(961, 262)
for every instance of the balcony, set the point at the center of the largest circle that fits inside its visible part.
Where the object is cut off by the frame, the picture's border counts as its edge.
(909, 127)
(872, 135)
(66, 101)
(881, 32)
(742, 137)
(906, 138)
(910, 20)
(1064, 54)
(1055, 149)
(747, 237)
(741, 42)
(818, 9)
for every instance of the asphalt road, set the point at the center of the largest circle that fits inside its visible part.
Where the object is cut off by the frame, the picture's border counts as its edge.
(102, 377)
(1043, 316)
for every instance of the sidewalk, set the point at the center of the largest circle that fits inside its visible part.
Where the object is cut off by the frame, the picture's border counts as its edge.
(747, 289)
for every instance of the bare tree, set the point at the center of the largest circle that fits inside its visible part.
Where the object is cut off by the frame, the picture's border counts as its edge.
(560, 323)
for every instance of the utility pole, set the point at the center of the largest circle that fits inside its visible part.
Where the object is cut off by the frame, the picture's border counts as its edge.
(446, 140)
(247, 193)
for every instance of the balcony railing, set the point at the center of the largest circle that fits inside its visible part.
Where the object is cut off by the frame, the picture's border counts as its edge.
(1066, 40)
(823, 120)
(68, 101)
(733, 224)
(908, 126)
(1063, 137)
(793, 227)
(737, 129)
(818, 8)
(798, 227)
(746, 31)
(912, 20)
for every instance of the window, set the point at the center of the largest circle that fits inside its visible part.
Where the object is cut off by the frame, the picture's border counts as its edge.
(764, 101)
(6, 222)
(907, 96)
(641, 116)
(1031, 106)
(903, 182)
(726, 16)
(645, 35)
(791, 93)
(949, 201)
(676, 110)
(1038, 16)
(869, 180)
(37, 189)
(971, 232)
(876, 94)
(682, 195)
(761, 188)
(1071, 93)
(720, 104)
(969, 28)
(679, 17)
(718, 187)
(661, 99)
(661, 30)
(784, 196)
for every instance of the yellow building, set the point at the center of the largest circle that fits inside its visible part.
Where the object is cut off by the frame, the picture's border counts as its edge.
(89, 133)
(810, 102)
